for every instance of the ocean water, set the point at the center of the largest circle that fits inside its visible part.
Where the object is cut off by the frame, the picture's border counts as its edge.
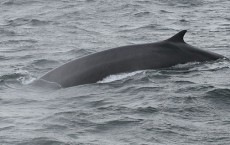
(183, 105)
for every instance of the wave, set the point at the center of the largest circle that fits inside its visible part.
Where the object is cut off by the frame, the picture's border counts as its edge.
(80, 52)
(117, 77)
(223, 94)
(2, 58)
(116, 124)
(218, 98)
(27, 21)
(137, 28)
(142, 14)
(7, 32)
(43, 141)
(182, 3)
(30, 41)
(20, 76)
(18, 2)
(146, 110)
(11, 76)
(42, 62)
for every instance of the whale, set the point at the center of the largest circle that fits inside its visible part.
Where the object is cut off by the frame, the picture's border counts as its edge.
(94, 67)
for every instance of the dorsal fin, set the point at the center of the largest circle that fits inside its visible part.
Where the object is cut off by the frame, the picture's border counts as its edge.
(179, 37)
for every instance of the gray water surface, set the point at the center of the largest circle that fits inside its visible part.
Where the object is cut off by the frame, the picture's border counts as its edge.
(185, 104)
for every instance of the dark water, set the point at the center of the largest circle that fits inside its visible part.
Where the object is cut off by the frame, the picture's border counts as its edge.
(185, 104)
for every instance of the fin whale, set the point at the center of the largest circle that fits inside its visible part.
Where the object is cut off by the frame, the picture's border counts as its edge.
(95, 67)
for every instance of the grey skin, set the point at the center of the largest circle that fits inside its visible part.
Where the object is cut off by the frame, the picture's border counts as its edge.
(95, 67)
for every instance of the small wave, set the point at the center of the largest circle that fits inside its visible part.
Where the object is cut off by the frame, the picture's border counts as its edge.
(220, 64)
(14, 79)
(144, 2)
(31, 41)
(219, 98)
(184, 82)
(130, 5)
(127, 28)
(25, 21)
(145, 89)
(201, 88)
(11, 76)
(36, 22)
(27, 56)
(146, 110)
(194, 109)
(219, 94)
(141, 14)
(117, 108)
(42, 141)
(164, 11)
(18, 101)
(18, 2)
(182, 3)
(20, 76)
(97, 103)
(4, 58)
(159, 74)
(18, 22)
(117, 77)
(89, 1)
(57, 127)
(44, 62)
(116, 124)
(27, 79)
(186, 65)
(7, 32)
(69, 118)
(42, 83)
(6, 128)
(196, 67)
(149, 26)
(80, 52)
(184, 21)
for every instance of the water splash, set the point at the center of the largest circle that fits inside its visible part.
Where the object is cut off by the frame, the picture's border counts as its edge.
(117, 77)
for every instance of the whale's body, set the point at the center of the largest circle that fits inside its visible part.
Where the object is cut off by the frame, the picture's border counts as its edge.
(94, 67)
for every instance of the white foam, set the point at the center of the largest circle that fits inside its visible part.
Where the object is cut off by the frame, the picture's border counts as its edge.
(27, 78)
(116, 77)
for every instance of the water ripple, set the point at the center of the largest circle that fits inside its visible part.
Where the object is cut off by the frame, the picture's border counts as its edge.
(24, 21)
(43, 141)
(219, 94)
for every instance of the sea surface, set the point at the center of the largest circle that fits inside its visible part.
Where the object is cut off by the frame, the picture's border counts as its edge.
(187, 104)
